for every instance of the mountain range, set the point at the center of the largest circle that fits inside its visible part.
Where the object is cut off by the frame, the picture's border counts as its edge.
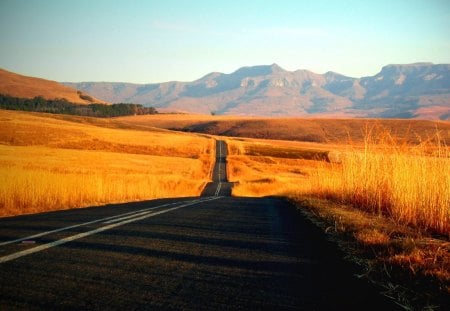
(420, 90)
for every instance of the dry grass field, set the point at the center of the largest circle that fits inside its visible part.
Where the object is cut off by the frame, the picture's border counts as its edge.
(410, 184)
(390, 198)
(335, 131)
(51, 162)
(16, 85)
(397, 168)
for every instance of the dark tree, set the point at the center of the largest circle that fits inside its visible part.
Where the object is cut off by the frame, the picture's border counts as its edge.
(62, 106)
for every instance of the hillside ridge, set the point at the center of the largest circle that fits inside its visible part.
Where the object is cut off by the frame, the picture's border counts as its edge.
(16, 85)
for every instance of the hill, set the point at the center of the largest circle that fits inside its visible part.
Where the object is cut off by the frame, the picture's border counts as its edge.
(52, 162)
(420, 90)
(313, 130)
(16, 85)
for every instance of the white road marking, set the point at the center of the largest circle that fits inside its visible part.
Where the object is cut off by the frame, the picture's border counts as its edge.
(88, 233)
(126, 217)
(83, 224)
(218, 189)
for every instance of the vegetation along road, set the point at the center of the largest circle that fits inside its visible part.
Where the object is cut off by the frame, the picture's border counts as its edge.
(212, 252)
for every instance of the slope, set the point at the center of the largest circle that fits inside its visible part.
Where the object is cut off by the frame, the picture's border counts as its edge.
(16, 85)
(51, 162)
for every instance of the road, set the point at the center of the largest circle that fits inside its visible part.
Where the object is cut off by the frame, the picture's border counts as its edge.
(206, 253)
(220, 185)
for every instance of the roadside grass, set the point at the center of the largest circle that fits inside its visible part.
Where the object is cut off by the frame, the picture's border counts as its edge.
(407, 183)
(262, 168)
(387, 198)
(48, 164)
(410, 266)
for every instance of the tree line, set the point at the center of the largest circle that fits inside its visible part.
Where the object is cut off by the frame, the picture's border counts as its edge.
(62, 106)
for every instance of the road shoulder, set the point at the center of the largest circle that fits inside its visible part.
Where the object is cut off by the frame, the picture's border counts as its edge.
(391, 256)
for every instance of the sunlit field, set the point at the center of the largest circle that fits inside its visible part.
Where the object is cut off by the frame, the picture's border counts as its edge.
(261, 169)
(411, 189)
(48, 164)
(396, 168)
(392, 199)
(408, 183)
(314, 130)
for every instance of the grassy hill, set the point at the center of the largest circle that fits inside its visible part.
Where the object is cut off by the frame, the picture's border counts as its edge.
(16, 85)
(341, 131)
(53, 162)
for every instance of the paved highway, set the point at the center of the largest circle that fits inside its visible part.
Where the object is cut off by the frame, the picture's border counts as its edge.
(220, 185)
(207, 253)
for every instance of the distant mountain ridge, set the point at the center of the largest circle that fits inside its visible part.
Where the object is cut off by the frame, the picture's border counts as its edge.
(420, 90)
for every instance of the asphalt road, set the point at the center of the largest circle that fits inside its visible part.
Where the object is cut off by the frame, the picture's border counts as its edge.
(213, 252)
(220, 185)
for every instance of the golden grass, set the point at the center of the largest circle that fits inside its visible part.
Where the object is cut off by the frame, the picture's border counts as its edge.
(389, 254)
(410, 184)
(407, 187)
(16, 85)
(48, 164)
(257, 169)
(382, 202)
(336, 131)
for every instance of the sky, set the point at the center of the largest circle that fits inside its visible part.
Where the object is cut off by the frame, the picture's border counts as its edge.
(156, 41)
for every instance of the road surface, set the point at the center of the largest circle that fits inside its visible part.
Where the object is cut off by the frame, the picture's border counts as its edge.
(220, 185)
(208, 253)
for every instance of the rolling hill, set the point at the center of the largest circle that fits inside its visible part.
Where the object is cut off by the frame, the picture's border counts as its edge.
(420, 90)
(314, 130)
(16, 85)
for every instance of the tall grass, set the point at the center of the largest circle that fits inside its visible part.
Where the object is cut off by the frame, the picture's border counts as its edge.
(31, 191)
(37, 179)
(407, 184)
(49, 164)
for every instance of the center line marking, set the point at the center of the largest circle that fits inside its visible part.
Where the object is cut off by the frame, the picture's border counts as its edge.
(218, 189)
(101, 229)
(83, 224)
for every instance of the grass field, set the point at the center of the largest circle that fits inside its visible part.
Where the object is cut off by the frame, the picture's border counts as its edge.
(397, 168)
(386, 202)
(335, 131)
(47, 163)
(17, 85)
(410, 184)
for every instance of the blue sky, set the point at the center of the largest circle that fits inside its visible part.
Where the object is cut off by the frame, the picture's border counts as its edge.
(156, 41)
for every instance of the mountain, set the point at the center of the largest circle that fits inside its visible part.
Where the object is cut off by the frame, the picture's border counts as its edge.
(16, 85)
(420, 90)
